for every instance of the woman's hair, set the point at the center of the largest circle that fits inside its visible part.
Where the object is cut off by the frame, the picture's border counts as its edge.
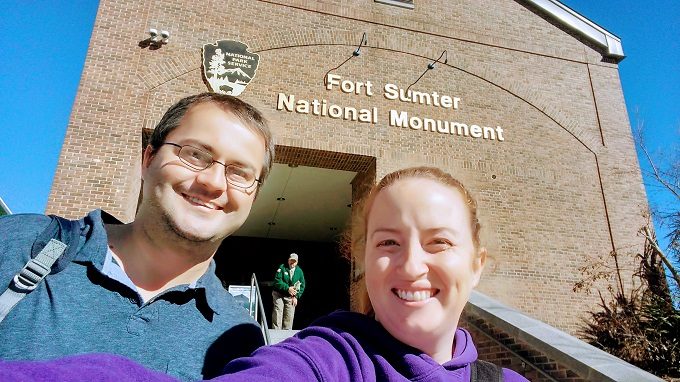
(355, 240)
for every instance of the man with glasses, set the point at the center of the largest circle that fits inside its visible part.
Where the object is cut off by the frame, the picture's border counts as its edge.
(148, 289)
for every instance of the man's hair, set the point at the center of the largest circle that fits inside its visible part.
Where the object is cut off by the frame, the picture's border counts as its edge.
(245, 112)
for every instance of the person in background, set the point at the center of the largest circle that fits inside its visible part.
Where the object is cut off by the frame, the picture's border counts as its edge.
(417, 240)
(148, 290)
(289, 284)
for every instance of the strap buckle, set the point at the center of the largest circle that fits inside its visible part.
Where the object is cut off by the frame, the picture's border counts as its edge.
(31, 275)
(37, 268)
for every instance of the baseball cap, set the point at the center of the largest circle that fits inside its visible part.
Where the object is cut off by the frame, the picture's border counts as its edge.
(293, 256)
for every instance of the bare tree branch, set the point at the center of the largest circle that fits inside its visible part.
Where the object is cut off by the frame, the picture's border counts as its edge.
(656, 173)
(663, 257)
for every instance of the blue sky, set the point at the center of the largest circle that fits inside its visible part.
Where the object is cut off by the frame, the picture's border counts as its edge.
(43, 45)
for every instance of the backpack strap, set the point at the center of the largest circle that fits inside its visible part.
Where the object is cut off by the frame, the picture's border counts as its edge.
(66, 231)
(47, 257)
(483, 371)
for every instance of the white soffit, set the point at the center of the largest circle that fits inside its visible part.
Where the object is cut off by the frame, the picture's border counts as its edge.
(303, 203)
(583, 26)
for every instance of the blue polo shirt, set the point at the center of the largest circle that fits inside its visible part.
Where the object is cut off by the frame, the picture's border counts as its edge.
(188, 331)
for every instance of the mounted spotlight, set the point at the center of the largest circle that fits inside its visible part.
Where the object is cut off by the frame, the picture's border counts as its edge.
(154, 35)
(355, 53)
(430, 66)
(363, 42)
(166, 37)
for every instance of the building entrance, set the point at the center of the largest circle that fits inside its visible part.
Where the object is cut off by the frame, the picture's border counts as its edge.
(304, 207)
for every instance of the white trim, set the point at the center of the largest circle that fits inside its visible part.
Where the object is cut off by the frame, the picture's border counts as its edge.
(397, 3)
(583, 26)
(590, 363)
(4, 206)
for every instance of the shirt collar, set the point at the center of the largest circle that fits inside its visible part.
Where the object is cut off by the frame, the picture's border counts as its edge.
(95, 251)
(113, 270)
(214, 290)
(96, 240)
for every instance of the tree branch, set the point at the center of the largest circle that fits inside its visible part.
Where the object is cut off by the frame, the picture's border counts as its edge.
(663, 257)
(673, 188)
(655, 171)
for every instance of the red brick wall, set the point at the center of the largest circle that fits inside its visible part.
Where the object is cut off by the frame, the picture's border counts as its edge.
(562, 185)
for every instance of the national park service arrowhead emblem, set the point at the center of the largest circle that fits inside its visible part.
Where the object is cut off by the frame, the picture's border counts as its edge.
(228, 66)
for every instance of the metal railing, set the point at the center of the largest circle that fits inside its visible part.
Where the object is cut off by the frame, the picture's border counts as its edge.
(256, 308)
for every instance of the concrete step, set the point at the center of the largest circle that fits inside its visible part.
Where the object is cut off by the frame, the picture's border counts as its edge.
(278, 335)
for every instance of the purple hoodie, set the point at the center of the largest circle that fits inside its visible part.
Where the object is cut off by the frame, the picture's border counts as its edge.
(343, 346)
(346, 346)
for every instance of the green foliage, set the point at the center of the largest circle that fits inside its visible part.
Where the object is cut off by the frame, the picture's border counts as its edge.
(641, 327)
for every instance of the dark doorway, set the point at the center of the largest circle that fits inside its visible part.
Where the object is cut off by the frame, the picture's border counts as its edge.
(326, 272)
(303, 207)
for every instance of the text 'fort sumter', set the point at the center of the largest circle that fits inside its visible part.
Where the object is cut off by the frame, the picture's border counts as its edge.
(396, 118)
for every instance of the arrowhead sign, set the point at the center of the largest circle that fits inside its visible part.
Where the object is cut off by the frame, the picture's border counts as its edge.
(228, 66)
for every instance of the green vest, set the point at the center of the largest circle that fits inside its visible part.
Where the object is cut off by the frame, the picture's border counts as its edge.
(283, 281)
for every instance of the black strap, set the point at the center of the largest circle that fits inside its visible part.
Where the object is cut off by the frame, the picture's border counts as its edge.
(67, 232)
(483, 371)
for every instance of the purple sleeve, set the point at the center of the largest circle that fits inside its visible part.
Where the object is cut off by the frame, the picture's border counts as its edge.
(513, 376)
(312, 359)
(88, 367)
(274, 363)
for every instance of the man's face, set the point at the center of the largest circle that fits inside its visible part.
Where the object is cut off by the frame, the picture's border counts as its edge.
(200, 206)
(292, 263)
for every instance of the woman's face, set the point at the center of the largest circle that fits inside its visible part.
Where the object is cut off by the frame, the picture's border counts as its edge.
(421, 262)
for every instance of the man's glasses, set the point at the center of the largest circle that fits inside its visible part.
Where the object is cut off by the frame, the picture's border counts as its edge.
(199, 160)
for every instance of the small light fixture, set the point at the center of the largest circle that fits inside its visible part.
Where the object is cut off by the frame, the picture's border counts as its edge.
(271, 223)
(430, 66)
(158, 39)
(355, 53)
(153, 32)
(281, 199)
(165, 35)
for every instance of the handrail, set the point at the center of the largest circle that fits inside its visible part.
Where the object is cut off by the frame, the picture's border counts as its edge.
(254, 310)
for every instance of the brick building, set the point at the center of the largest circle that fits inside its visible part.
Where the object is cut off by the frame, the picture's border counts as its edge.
(524, 105)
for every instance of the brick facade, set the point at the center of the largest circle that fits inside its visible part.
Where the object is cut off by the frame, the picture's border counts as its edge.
(563, 184)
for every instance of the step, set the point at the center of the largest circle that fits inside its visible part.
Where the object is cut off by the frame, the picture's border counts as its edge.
(278, 335)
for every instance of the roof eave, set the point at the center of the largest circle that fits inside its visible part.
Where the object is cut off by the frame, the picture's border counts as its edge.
(588, 29)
